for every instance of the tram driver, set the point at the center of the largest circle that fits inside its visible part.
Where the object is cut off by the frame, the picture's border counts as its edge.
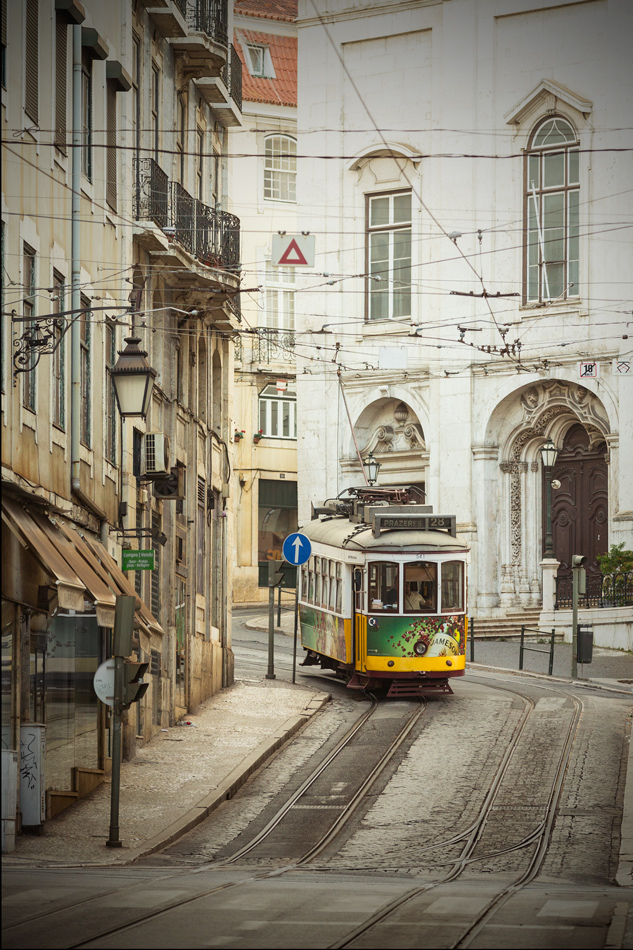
(413, 599)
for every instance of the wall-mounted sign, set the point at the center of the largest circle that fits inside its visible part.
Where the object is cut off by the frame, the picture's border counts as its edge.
(588, 370)
(137, 560)
(296, 249)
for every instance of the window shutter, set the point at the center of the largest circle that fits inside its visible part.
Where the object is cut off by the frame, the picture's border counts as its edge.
(31, 94)
(3, 15)
(61, 65)
(111, 144)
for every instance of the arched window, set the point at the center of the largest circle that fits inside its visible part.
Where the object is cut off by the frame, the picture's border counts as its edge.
(551, 219)
(280, 168)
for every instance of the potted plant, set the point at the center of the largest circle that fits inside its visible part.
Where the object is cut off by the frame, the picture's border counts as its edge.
(258, 436)
(238, 435)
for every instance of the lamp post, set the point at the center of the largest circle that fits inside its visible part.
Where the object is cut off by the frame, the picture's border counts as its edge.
(549, 454)
(133, 380)
(371, 467)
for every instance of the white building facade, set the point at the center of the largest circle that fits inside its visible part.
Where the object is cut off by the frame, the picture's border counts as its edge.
(466, 176)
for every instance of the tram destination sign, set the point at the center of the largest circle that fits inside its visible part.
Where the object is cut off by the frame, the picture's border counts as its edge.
(400, 521)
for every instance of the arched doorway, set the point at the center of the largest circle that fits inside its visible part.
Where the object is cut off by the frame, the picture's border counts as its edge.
(580, 505)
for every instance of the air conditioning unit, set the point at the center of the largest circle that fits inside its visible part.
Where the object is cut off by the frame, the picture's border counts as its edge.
(154, 455)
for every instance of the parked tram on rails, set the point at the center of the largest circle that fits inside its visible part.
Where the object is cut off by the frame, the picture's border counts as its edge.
(382, 599)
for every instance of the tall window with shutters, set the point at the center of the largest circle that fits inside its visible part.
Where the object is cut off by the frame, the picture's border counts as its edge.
(85, 334)
(31, 61)
(59, 354)
(110, 399)
(61, 73)
(86, 117)
(552, 191)
(111, 143)
(201, 536)
(3, 45)
(28, 311)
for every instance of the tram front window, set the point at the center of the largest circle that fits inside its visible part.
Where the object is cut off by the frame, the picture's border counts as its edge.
(452, 587)
(383, 587)
(420, 587)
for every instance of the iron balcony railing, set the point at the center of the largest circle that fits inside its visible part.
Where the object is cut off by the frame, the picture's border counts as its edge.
(182, 6)
(151, 196)
(210, 17)
(274, 346)
(211, 235)
(612, 590)
(231, 74)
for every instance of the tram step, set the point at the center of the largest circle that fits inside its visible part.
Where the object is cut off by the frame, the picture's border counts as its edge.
(404, 688)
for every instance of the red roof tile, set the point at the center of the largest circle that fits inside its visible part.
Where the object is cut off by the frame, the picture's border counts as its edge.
(270, 9)
(283, 51)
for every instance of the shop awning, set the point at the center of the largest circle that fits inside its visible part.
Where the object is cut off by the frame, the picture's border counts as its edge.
(70, 590)
(78, 566)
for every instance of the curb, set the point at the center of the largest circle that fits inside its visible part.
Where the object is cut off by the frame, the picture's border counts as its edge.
(227, 788)
(257, 623)
(567, 681)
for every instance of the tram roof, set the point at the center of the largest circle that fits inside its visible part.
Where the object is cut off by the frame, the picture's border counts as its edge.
(354, 536)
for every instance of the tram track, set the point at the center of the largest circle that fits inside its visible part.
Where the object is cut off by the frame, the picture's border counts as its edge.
(539, 836)
(344, 814)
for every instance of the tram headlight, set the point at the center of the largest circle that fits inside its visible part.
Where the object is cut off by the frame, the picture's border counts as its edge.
(420, 648)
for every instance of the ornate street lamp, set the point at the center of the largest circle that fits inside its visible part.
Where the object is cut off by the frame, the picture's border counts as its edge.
(133, 380)
(371, 467)
(549, 454)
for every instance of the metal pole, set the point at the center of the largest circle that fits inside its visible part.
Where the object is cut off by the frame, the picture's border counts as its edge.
(270, 675)
(549, 540)
(294, 648)
(574, 623)
(551, 652)
(521, 647)
(279, 607)
(114, 840)
(471, 638)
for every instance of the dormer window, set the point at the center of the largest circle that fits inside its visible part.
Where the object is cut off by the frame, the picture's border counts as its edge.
(259, 61)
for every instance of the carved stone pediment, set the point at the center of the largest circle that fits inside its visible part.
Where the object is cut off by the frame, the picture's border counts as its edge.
(543, 401)
(546, 96)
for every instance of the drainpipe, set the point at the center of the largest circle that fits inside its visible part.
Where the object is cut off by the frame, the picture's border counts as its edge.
(75, 332)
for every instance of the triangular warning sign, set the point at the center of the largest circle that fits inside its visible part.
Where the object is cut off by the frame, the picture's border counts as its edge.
(292, 254)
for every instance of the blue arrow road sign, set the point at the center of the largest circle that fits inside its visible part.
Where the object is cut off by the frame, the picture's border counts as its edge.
(297, 548)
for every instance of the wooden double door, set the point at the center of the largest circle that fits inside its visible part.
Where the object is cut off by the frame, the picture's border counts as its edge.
(580, 505)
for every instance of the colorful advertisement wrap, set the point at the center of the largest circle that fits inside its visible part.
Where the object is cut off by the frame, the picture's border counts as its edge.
(323, 633)
(416, 636)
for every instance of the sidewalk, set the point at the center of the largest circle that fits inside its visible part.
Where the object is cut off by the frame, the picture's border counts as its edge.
(177, 779)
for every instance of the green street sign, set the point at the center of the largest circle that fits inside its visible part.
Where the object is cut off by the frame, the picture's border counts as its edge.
(137, 560)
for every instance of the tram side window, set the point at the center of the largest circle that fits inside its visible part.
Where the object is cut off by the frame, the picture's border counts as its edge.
(311, 581)
(317, 582)
(325, 582)
(304, 583)
(332, 600)
(420, 587)
(452, 587)
(383, 587)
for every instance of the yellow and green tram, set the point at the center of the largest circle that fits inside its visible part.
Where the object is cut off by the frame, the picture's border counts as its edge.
(383, 597)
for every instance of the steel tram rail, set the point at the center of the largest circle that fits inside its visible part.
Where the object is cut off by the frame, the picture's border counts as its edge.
(541, 834)
(330, 834)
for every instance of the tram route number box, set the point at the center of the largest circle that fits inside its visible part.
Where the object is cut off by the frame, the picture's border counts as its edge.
(137, 560)
(399, 518)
